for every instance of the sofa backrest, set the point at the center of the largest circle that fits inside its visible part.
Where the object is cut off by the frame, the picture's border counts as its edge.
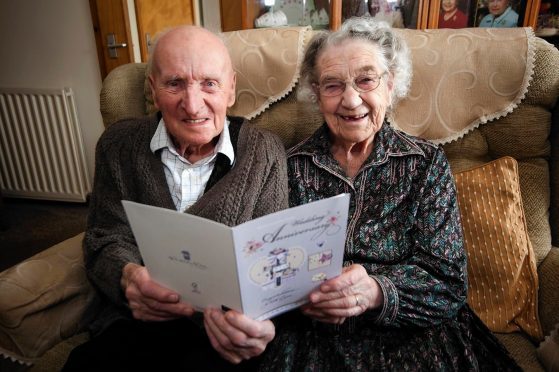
(266, 93)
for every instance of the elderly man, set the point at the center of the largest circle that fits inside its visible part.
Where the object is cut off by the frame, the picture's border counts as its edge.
(193, 158)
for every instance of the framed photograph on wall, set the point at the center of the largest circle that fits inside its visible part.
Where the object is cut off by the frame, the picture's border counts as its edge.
(397, 13)
(483, 13)
(455, 13)
(500, 13)
(548, 19)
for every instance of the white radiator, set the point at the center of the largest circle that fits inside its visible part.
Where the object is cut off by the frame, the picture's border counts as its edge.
(41, 150)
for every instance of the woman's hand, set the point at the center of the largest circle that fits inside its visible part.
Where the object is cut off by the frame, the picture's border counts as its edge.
(350, 294)
(235, 336)
(148, 300)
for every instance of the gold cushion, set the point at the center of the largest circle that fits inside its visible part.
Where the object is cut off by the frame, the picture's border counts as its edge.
(502, 274)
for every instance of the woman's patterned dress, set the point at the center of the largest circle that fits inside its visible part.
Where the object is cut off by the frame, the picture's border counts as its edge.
(404, 228)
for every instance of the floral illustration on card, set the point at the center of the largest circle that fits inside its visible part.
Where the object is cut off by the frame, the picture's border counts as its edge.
(252, 246)
(320, 259)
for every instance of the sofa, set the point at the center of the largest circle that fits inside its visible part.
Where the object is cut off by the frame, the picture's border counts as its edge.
(489, 97)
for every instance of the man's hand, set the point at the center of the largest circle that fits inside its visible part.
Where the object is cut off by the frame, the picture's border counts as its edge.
(235, 336)
(148, 300)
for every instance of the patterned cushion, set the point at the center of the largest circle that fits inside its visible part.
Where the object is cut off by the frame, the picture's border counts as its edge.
(468, 66)
(502, 274)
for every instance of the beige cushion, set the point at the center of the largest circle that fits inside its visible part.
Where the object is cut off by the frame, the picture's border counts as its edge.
(267, 64)
(47, 296)
(502, 274)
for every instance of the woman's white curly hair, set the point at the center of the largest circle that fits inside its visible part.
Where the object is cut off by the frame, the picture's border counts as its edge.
(394, 54)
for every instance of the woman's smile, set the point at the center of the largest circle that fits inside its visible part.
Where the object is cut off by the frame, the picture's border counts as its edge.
(354, 118)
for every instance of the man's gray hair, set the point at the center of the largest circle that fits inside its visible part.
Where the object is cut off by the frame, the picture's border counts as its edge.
(393, 52)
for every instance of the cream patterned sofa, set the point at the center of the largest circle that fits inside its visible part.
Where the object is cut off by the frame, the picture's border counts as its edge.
(484, 94)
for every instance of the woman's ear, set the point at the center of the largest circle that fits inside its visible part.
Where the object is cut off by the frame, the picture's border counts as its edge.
(315, 92)
(390, 81)
(389, 85)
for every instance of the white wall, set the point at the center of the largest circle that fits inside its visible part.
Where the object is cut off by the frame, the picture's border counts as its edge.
(51, 44)
(211, 18)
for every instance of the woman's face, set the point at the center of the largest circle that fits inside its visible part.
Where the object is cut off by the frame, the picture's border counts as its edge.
(448, 5)
(353, 117)
(497, 7)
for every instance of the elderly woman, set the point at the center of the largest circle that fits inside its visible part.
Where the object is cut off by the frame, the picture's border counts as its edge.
(400, 303)
(451, 15)
(500, 14)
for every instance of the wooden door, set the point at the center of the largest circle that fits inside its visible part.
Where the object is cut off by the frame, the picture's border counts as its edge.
(112, 33)
(231, 15)
(154, 16)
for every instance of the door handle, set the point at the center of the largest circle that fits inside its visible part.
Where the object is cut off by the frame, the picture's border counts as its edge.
(112, 45)
(149, 44)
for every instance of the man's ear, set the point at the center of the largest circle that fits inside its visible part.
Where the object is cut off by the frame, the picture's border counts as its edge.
(232, 92)
(152, 88)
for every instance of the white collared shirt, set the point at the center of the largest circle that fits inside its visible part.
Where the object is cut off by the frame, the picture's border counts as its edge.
(187, 181)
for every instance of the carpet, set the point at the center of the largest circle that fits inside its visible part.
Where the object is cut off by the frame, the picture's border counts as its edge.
(29, 226)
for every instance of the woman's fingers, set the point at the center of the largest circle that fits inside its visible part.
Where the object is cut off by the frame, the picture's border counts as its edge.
(350, 294)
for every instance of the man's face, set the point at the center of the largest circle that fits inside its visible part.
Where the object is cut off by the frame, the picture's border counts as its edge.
(497, 7)
(192, 84)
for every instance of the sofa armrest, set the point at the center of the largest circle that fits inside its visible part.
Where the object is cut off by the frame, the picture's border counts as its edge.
(45, 300)
(123, 93)
(548, 274)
